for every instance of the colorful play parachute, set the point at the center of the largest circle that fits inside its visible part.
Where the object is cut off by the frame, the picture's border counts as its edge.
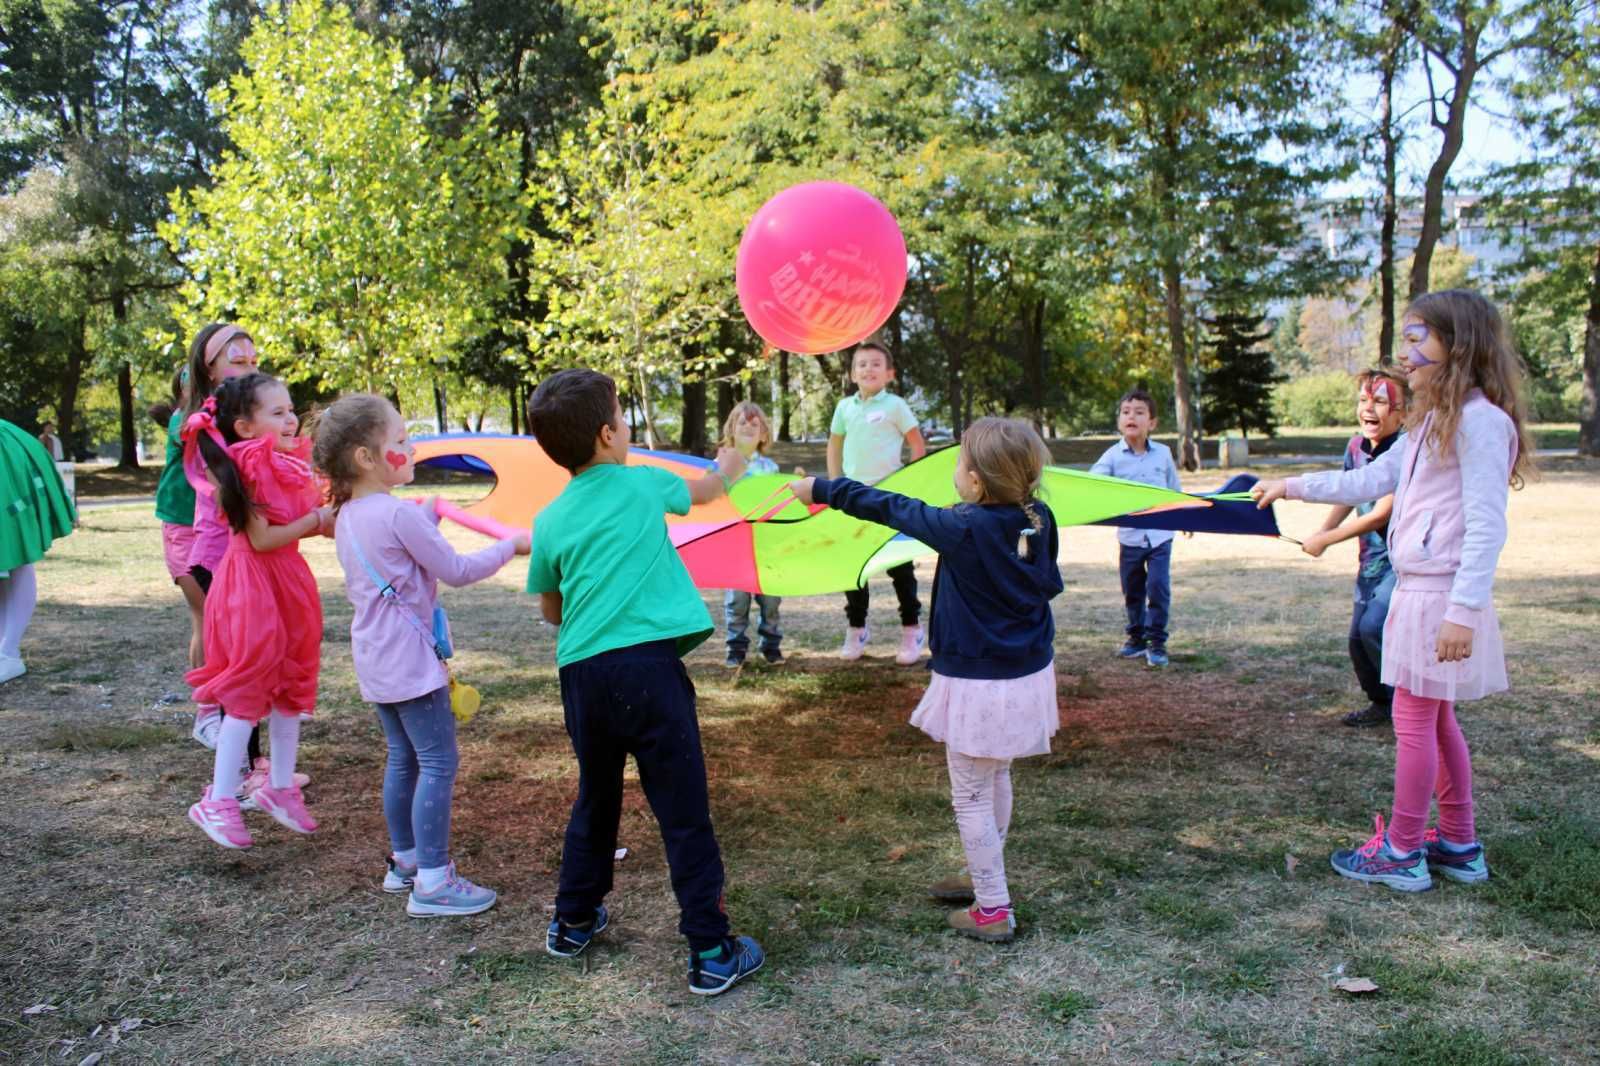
(761, 539)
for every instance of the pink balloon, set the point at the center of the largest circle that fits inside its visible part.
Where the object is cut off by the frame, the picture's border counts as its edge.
(821, 266)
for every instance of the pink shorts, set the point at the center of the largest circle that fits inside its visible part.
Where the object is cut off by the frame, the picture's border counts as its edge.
(176, 541)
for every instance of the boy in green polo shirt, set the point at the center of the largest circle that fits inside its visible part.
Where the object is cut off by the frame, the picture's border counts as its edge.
(864, 445)
(607, 574)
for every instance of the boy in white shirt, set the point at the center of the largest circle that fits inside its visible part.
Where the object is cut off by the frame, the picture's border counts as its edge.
(865, 445)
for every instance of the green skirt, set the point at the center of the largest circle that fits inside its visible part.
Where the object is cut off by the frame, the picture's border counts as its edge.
(34, 509)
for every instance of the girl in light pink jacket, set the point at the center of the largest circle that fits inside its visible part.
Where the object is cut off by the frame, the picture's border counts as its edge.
(1466, 444)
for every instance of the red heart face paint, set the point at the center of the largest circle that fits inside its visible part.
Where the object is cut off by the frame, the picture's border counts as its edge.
(397, 459)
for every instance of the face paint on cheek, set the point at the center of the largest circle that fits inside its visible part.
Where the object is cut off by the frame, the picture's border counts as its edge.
(397, 459)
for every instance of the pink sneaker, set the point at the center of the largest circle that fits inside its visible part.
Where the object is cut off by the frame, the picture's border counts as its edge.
(219, 820)
(259, 777)
(287, 807)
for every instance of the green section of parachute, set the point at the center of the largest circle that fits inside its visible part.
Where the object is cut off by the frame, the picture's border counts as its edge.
(799, 554)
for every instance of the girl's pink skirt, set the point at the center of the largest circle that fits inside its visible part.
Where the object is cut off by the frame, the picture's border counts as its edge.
(998, 719)
(1411, 638)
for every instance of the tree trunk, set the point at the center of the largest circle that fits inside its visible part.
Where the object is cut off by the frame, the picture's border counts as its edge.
(515, 408)
(1188, 443)
(1386, 131)
(1589, 413)
(694, 416)
(725, 402)
(441, 409)
(77, 358)
(784, 406)
(1033, 358)
(130, 438)
(1466, 67)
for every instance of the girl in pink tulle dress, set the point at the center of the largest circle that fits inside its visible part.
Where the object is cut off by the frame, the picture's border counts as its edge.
(992, 694)
(1466, 445)
(263, 616)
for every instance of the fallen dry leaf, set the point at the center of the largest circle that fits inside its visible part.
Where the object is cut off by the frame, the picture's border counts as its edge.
(1289, 863)
(39, 1008)
(1355, 985)
(897, 853)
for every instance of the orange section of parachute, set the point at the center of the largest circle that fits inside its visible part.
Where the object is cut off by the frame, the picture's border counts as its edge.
(526, 479)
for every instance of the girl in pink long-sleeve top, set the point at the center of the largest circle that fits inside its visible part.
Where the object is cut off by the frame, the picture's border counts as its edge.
(394, 558)
(1466, 445)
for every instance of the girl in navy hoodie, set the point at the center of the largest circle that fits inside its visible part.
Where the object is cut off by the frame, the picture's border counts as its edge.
(993, 694)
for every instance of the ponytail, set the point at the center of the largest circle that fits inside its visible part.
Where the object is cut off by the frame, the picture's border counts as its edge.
(231, 495)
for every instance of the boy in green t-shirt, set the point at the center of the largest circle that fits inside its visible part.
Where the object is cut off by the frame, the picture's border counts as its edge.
(864, 445)
(607, 574)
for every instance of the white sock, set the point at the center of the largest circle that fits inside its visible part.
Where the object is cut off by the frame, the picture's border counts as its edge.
(430, 878)
(232, 739)
(406, 858)
(284, 732)
(17, 596)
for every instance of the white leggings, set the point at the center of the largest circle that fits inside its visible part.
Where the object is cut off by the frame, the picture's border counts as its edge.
(980, 792)
(18, 592)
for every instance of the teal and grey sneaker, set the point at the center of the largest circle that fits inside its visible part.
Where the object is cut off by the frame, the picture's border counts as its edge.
(1132, 649)
(1467, 866)
(399, 878)
(456, 896)
(730, 962)
(1374, 861)
(569, 941)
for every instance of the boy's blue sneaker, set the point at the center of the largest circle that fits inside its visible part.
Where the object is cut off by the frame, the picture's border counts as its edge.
(454, 897)
(1156, 655)
(1132, 650)
(1374, 861)
(736, 959)
(399, 878)
(1469, 866)
(734, 660)
(569, 941)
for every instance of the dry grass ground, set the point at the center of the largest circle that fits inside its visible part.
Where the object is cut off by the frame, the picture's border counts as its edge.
(1168, 860)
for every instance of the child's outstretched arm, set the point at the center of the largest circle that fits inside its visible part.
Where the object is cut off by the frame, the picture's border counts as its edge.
(1336, 530)
(1371, 482)
(937, 527)
(418, 533)
(266, 537)
(730, 468)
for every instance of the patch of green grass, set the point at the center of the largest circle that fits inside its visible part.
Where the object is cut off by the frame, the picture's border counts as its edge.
(1186, 916)
(501, 965)
(1250, 970)
(107, 737)
(1438, 1045)
(1412, 983)
(1065, 1007)
(1551, 874)
(1200, 661)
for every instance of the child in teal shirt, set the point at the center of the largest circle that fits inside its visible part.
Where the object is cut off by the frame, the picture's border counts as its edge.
(607, 574)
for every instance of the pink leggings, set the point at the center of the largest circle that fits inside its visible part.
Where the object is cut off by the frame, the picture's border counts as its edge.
(980, 792)
(1430, 758)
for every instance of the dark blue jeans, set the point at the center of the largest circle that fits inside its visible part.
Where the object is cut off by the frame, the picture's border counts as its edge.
(1147, 592)
(420, 775)
(639, 701)
(736, 612)
(1366, 636)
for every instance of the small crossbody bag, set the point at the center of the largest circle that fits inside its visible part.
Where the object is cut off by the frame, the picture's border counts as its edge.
(438, 637)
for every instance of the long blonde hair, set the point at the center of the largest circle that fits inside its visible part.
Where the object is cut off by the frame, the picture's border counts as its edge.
(1009, 459)
(1481, 357)
(750, 410)
(350, 422)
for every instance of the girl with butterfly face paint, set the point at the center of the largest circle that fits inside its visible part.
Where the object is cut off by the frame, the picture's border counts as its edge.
(1466, 445)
